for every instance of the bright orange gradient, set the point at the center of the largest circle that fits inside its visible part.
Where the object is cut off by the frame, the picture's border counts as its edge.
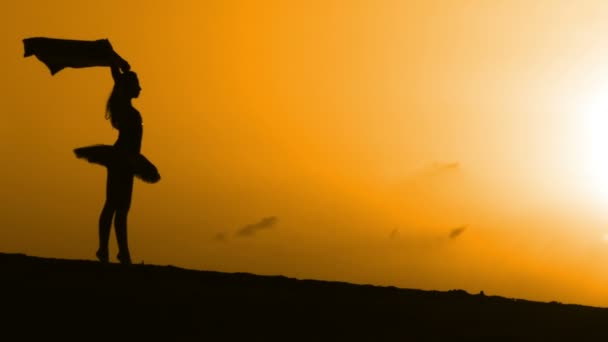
(371, 130)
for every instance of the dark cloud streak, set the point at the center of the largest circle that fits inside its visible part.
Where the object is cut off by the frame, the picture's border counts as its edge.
(220, 237)
(394, 234)
(252, 229)
(456, 232)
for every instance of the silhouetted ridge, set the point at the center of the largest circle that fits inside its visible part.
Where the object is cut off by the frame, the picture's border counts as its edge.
(86, 299)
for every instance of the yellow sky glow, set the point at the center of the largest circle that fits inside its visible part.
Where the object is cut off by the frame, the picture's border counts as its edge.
(370, 129)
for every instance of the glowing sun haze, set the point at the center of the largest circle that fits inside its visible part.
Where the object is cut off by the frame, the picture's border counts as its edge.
(421, 144)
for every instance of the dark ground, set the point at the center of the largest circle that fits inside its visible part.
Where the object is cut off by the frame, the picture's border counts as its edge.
(86, 300)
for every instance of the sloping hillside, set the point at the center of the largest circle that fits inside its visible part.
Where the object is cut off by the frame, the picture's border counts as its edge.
(86, 300)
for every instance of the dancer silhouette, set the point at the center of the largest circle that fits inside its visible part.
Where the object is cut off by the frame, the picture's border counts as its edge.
(123, 161)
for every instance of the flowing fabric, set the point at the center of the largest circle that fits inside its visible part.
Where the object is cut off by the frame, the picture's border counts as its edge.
(58, 54)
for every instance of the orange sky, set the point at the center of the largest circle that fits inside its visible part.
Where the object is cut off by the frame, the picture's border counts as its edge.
(371, 130)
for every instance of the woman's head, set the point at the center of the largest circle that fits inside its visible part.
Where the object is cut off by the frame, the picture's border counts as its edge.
(126, 87)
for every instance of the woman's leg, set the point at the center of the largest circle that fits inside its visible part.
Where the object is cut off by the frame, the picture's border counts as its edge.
(120, 223)
(120, 218)
(105, 218)
(105, 225)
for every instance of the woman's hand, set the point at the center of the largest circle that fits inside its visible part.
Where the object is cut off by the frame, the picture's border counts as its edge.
(119, 66)
(122, 64)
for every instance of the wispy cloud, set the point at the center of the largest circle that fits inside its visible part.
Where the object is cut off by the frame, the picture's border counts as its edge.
(418, 238)
(444, 169)
(456, 232)
(446, 166)
(252, 229)
(394, 233)
(220, 237)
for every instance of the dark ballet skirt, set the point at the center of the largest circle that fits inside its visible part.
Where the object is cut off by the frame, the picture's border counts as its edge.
(111, 156)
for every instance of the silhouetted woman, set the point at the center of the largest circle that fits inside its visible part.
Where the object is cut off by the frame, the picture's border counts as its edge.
(123, 161)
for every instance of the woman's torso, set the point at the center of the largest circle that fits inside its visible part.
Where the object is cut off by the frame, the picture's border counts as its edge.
(130, 130)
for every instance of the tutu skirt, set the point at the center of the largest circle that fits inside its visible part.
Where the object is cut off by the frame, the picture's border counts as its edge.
(112, 157)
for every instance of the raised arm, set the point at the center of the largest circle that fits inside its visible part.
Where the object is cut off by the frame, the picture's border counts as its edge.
(115, 72)
(119, 67)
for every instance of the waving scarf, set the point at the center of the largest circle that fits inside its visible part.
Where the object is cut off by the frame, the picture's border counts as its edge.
(58, 54)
